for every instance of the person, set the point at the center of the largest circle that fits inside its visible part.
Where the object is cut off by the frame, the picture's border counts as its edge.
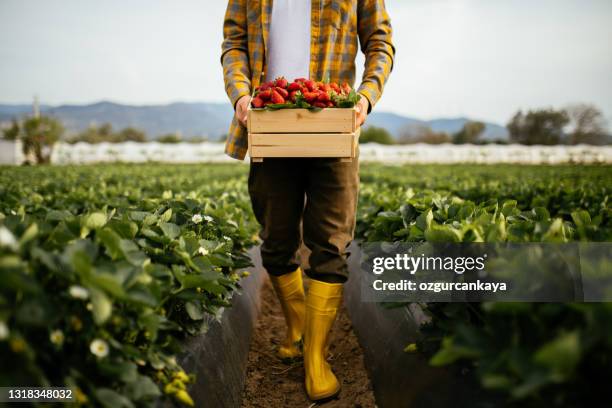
(310, 198)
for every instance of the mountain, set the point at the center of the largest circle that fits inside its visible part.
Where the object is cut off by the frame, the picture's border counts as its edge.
(202, 119)
(396, 123)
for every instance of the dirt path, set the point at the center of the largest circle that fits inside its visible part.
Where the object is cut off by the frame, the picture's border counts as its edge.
(272, 384)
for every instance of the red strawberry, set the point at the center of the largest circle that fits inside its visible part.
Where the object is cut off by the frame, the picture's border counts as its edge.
(335, 87)
(300, 80)
(310, 85)
(257, 102)
(266, 85)
(294, 86)
(330, 104)
(265, 95)
(310, 96)
(323, 97)
(319, 105)
(283, 92)
(292, 95)
(281, 82)
(277, 98)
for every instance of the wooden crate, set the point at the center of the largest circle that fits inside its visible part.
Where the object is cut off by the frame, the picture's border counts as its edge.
(303, 133)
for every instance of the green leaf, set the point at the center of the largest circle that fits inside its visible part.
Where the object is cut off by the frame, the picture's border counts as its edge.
(194, 310)
(561, 355)
(582, 219)
(443, 233)
(92, 221)
(142, 389)
(132, 253)
(125, 228)
(170, 230)
(108, 283)
(451, 352)
(111, 399)
(166, 216)
(102, 306)
(111, 241)
(29, 234)
(424, 220)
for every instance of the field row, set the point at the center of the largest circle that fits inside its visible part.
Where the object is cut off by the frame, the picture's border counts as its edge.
(108, 267)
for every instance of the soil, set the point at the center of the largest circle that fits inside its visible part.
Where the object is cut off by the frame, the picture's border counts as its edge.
(272, 384)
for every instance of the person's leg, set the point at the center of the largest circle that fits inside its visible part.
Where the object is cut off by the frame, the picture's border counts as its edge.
(276, 187)
(329, 222)
(332, 189)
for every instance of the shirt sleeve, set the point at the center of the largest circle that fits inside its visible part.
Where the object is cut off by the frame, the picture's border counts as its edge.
(375, 38)
(235, 51)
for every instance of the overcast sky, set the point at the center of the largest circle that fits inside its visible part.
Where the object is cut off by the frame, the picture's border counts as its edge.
(478, 58)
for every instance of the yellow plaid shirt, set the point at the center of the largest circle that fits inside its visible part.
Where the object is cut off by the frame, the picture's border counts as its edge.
(338, 27)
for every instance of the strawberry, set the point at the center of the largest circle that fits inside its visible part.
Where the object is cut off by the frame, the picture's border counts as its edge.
(330, 104)
(277, 98)
(292, 95)
(294, 86)
(310, 96)
(319, 105)
(281, 82)
(265, 95)
(283, 92)
(257, 102)
(323, 97)
(266, 86)
(300, 80)
(334, 86)
(310, 85)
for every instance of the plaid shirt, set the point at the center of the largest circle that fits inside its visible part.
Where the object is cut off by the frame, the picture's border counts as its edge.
(336, 28)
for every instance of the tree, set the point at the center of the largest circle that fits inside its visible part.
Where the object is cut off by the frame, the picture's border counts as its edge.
(587, 125)
(373, 134)
(470, 133)
(543, 126)
(94, 134)
(12, 132)
(39, 134)
(422, 134)
(130, 134)
(170, 138)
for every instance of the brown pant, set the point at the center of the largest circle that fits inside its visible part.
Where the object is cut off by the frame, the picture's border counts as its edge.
(318, 194)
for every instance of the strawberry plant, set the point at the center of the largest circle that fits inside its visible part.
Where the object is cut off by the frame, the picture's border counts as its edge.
(106, 268)
(530, 354)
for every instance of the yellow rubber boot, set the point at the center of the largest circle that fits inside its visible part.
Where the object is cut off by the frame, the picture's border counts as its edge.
(322, 305)
(289, 289)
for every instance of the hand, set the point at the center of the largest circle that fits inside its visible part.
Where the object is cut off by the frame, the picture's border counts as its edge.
(362, 110)
(242, 106)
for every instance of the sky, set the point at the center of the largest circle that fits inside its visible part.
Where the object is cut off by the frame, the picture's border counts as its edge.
(482, 59)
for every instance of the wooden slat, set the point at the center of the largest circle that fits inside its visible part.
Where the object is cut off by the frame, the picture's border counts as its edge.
(296, 151)
(301, 139)
(302, 121)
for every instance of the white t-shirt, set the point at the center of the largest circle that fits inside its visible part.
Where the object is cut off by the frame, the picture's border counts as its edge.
(289, 40)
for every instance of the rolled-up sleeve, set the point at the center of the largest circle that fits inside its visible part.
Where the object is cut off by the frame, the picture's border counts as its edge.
(375, 38)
